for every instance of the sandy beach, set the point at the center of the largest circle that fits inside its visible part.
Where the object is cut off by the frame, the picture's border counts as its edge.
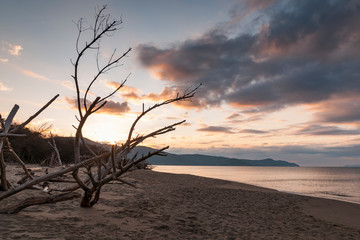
(170, 206)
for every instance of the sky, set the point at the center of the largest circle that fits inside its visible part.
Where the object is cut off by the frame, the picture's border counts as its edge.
(280, 79)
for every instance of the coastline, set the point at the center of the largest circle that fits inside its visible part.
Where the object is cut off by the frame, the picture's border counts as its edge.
(319, 182)
(178, 206)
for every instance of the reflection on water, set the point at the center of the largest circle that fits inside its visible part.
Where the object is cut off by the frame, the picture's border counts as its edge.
(334, 183)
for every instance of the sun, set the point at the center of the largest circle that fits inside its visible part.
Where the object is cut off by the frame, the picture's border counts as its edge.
(107, 128)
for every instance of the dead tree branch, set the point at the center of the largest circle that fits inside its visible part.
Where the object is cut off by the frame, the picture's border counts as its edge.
(103, 26)
(40, 200)
(35, 115)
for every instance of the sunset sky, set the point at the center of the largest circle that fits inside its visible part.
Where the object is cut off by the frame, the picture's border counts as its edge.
(281, 79)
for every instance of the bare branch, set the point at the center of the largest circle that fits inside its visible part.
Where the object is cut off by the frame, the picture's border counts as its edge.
(87, 146)
(101, 71)
(130, 165)
(35, 115)
(78, 180)
(18, 159)
(113, 158)
(12, 135)
(186, 95)
(117, 89)
(103, 104)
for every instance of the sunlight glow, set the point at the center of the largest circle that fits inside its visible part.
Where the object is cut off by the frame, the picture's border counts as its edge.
(107, 128)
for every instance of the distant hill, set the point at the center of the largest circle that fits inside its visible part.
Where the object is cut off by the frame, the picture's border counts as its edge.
(206, 160)
(35, 149)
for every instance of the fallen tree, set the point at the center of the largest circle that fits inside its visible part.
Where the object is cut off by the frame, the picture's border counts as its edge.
(106, 167)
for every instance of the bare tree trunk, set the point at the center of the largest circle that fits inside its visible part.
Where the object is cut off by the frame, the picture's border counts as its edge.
(4, 185)
(86, 199)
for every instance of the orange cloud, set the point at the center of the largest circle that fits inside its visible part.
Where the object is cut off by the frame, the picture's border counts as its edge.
(165, 71)
(133, 93)
(35, 75)
(4, 88)
(339, 109)
(68, 84)
(4, 60)
(15, 50)
(123, 89)
(111, 107)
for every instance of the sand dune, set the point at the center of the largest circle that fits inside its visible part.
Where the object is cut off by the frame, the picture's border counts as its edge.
(169, 206)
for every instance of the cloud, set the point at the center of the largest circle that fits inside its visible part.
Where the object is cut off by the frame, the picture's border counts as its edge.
(4, 60)
(305, 52)
(344, 109)
(216, 129)
(111, 107)
(234, 116)
(132, 93)
(253, 131)
(14, 49)
(4, 88)
(116, 108)
(244, 9)
(326, 130)
(35, 75)
(69, 85)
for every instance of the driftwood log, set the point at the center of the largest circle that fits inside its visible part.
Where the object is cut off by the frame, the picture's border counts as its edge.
(40, 200)
(6, 128)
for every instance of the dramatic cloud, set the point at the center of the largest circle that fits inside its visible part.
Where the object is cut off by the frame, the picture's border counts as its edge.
(111, 107)
(4, 60)
(305, 52)
(35, 75)
(215, 129)
(4, 88)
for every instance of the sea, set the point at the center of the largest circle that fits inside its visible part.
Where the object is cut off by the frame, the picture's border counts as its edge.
(339, 183)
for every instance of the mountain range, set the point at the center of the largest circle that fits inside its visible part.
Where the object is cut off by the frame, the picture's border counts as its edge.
(207, 160)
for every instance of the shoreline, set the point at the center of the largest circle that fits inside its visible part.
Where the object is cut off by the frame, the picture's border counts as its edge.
(180, 206)
(315, 205)
(222, 175)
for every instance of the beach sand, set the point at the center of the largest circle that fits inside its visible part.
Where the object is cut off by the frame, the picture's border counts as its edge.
(171, 206)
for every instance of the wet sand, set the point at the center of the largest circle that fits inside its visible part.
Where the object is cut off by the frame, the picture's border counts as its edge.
(172, 206)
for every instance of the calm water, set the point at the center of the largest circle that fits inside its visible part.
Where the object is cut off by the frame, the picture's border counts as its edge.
(334, 183)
